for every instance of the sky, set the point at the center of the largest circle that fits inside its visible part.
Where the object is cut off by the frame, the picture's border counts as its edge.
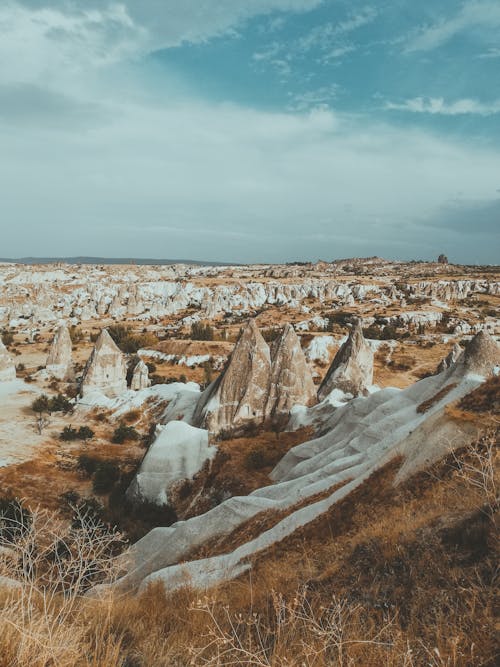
(250, 130)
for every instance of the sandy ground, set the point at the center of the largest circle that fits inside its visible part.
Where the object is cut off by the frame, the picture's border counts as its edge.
(18, 435)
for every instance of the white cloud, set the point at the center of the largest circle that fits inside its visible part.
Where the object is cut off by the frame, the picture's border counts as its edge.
(437, 105)
(225, 182)
(325, 36)
(476, 15)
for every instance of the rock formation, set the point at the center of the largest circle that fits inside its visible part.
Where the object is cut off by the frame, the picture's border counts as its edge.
(351, 370)
(450, 358)
(481, 355)
(140, 377)
(7, 365)
(178, 453)
(106, 370)
(60, 362)
(291, 379)
(239, 395)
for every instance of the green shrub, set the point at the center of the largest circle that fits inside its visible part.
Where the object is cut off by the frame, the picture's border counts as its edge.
(68, 434)
(123, 433)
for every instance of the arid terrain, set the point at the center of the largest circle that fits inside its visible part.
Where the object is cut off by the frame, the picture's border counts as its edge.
(285, 464)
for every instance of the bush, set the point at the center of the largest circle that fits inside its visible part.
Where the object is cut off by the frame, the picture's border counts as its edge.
(88, 464)
(200, 331)
(123, 433)
(7, 337)
(41, 404)
(69, 433)
(57, 403)
(106, 474)
(256, 459)
(15, 519)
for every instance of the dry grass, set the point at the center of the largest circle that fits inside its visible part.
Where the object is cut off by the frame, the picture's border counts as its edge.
(427, 405)
(391, 576)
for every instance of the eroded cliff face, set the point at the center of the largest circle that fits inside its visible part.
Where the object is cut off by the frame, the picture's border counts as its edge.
(351, 370)
(291, 381)
(259, 384)
(106, 370)
(239, 395)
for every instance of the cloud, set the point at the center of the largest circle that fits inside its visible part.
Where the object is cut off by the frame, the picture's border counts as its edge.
(170, 23)
(437, 105)
(325, 36)
(470, 217)
(28, 104)
(481, 16)
(212, 181)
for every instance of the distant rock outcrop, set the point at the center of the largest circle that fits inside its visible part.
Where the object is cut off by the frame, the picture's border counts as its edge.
(7, 365)
(140, 377)
(291, 379)
(239, 395)
(351, 370)
(450, 358)
(60, 361)
(106, 370)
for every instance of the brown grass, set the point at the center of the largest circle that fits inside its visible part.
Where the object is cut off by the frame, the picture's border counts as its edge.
(427, 405)
(395, 577)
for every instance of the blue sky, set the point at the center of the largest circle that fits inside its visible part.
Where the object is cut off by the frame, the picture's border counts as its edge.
(257, 130)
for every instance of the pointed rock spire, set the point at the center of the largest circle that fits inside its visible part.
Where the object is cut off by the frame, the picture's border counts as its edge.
(481, 355)
(291, 379)
(60, 361)
(351, 370)
(239, 394)
(106, 369)
(140, 377)
(7, 365)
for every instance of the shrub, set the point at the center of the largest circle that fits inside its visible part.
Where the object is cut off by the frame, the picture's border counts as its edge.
(60, 403)
(105, 475)
(41, 404)
(15, 519)
(85, 433)
(88, 464)
(123, 433)
(7, 337)
(68, 434)
(256, 459)
(200, 331)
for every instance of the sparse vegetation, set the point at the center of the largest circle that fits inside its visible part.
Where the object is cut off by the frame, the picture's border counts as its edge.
(201, 331)
(123, 433)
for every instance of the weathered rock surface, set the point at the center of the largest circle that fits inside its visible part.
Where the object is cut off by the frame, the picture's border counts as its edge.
(106, 370)
(291, 378)
(60, 360)
(351, 370)
(239, 395)
(140, 377)
(7, 365)
(450, 358)
(178, 453)
(356, 440)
